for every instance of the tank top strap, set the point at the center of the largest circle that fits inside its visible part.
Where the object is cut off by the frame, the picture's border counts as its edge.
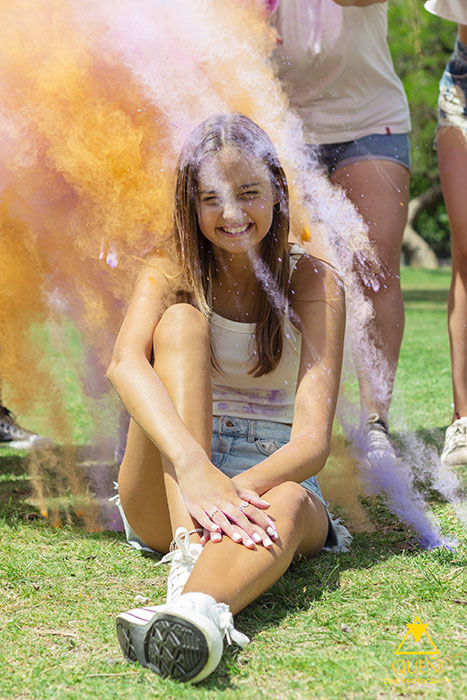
(295, 253)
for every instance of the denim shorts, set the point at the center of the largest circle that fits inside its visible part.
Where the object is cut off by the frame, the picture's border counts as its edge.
(395, 147)
(241, 443)
(237, 445)
(452, 101)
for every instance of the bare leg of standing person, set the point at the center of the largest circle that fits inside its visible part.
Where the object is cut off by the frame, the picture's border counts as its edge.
(380, 191)
(452, 157)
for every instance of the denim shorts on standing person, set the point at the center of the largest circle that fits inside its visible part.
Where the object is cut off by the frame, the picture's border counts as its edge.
(237, 445)
(393, 147)
(452, 101)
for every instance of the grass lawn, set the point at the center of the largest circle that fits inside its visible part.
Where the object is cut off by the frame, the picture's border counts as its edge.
(328, 629)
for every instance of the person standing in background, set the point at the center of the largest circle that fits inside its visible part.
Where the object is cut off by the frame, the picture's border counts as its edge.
(452, 159)
(335, 65)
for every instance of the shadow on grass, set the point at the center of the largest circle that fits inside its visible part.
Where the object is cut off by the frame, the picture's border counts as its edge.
(430, 296)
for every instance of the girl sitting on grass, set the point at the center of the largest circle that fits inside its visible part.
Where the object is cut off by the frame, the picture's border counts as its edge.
(231, 382)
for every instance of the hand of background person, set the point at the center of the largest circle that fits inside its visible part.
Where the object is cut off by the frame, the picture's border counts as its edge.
(214, 500)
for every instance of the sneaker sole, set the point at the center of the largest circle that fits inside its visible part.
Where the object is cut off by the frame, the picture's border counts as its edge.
(175, 648)
(170, 646)
(131, 632)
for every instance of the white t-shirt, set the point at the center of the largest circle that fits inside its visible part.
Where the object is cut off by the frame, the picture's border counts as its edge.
(349, 89)
(455, 10)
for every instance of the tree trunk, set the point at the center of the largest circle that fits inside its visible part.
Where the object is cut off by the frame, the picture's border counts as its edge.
(415, 248)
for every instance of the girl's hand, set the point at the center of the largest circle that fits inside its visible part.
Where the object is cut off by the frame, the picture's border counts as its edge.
(222, 507)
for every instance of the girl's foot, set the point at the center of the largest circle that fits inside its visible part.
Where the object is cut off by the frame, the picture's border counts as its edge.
(455, 443)
(182, 640)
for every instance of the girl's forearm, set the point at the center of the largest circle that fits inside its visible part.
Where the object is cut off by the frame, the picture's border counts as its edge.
(302, 457)
(147, 401)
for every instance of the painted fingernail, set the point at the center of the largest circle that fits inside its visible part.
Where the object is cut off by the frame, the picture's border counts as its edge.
(236, 537)
(249, 542)
(272, 532)
(256, 537)
(216, 537)
(267, 542)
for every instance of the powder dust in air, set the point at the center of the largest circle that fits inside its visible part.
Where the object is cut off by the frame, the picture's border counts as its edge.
(97, 98)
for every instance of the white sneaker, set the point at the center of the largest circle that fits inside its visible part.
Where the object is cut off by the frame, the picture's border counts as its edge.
(183, 640)
(378, 445)
(183, 556)
(455, 443)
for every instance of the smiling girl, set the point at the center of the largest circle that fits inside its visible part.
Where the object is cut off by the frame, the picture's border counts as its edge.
(231, 381)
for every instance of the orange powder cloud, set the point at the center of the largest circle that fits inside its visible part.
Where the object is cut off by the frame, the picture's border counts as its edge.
(97, 99)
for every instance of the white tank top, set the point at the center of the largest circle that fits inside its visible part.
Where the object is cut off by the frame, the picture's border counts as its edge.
(349, 89)
(237, 393)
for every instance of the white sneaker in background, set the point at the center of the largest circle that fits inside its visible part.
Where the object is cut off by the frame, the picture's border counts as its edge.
(455, 443)
(182, 640)
(378, 445)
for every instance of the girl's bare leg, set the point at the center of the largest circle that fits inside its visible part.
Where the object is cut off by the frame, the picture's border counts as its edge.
(229, 572)
(380, 191)
(148, 491)
(452, 157)
(235, 575)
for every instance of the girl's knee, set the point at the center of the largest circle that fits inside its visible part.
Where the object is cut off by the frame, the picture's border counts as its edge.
(306, 515)
(292, 498)
(181, 325)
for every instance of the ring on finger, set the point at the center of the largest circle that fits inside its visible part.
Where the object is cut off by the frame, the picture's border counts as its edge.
(213, 511)
(243, 505)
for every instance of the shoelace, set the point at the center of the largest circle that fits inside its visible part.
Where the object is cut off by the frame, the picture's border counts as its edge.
(227, 628)
(377, 437)
(183, 557)
(180, 545)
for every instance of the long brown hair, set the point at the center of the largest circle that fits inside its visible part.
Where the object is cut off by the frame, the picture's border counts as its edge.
(238, 131)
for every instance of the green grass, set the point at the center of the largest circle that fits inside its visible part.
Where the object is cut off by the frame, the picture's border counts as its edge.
(423, 392)
(328, 629)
